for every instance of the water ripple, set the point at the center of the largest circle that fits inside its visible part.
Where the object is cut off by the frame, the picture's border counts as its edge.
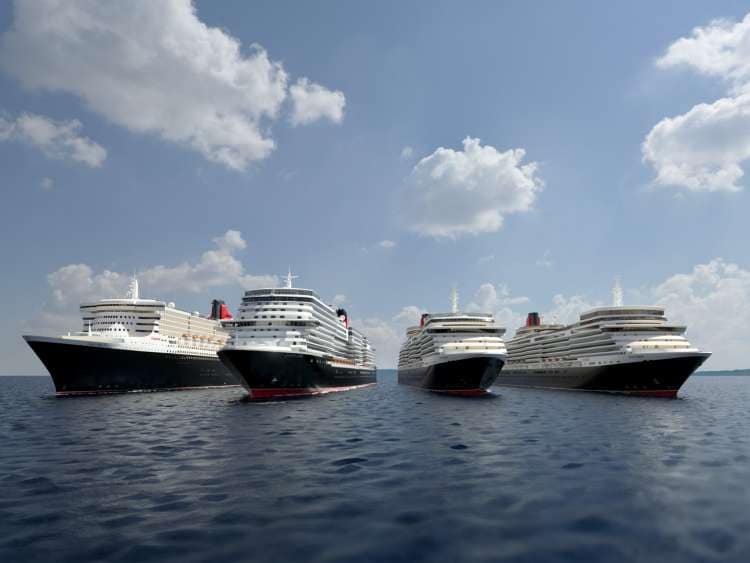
(381, 474)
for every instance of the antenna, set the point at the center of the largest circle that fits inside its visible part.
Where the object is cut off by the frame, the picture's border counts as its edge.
(133, 288)
(617, 293)
(289, 278)
(454, 300)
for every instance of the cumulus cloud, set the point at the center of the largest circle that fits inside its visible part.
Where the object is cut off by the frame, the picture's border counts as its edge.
(312, 102)
(56, 139)
(387, 335)
(386, 244)
(451, 193)
(47, 183)
(566, 310)
(704, 148)
(489, 297)
(722, 48)
(713, 300)
(384, 336)
(155, 67)
(498, 300)
(74, 283)
(408, 316)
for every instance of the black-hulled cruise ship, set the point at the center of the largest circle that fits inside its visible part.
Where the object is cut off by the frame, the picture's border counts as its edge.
(455, 353)
(135, 344)
(617, 349)
(286, 342)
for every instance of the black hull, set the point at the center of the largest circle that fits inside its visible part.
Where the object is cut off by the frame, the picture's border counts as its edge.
(656, 378)
(80, 370)
(468, 376)
(268, 375)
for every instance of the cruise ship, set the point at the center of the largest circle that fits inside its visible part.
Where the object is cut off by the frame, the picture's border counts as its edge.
(455, 353)
(286, 342)
(617, 349)
(135, 344)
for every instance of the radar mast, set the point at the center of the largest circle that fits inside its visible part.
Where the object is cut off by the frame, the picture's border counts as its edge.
(454, 300)
(289, 278)
(617, 293)
(133, 289)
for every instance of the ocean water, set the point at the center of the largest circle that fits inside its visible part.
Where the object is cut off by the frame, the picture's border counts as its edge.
(380, 474)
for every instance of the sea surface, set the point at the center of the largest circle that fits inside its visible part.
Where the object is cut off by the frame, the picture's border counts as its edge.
(380, 474)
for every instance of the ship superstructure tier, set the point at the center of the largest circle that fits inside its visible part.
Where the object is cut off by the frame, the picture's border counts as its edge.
(135, 344)
(456, 352)
(629, 349)
(288, 342)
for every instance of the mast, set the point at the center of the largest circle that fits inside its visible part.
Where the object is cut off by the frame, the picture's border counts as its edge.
(454, 300)
(617, 293)
(289, 278)
(133, 289)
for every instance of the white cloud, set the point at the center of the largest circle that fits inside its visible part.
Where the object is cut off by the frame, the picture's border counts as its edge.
(489, 297)
(567, 310)
(230, 241)
(722, 48)
(56, 139)
(713, 300)
(704, 148)
(218, 267)
(74, 283)
(452, 193)
(152, 67)
(386, 244)
(312, 102)
(497, 299)
(510, 311)
(407, 152)
(47, 183)
(386, 336)
(408, 316)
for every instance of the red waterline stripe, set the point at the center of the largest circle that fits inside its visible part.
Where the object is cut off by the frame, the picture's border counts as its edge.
(269, 393)
(461, 392)
(664, 393)
(475, 392)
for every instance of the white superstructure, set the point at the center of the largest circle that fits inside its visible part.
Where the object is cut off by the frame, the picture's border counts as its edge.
(445, 337)
(602, 336)
(147, 325)
(291, 319)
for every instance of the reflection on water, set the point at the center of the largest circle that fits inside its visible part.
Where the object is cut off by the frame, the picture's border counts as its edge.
(380, 474)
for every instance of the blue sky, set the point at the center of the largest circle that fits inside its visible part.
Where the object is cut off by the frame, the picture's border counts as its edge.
(578, 86)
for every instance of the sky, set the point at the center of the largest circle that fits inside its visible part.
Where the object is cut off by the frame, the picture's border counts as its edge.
(526, 153)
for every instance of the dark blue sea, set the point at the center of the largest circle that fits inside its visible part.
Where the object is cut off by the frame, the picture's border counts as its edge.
(379, 474)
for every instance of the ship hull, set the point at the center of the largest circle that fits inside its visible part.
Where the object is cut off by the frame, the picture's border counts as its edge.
(273, 375)
(80, 369)
(648, 378)
(466, 376)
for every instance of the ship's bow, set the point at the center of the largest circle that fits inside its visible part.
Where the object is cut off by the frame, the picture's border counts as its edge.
(471, 376)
